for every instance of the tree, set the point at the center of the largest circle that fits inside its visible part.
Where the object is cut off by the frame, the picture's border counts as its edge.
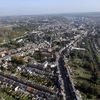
(38, 55)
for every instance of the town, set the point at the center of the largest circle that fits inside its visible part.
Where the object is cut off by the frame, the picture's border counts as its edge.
(50, 57)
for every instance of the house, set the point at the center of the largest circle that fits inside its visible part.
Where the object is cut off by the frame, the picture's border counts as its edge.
(5, 65)
(7, 58)
(16, 89)
(30, 89)
(18, 69)
(53, 65)
(29, 71)
(45, 64)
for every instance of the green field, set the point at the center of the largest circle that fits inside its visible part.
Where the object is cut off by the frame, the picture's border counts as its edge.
(85, 74)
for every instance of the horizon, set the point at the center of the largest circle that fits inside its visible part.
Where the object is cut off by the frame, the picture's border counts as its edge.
(51, 14)
(45, 7)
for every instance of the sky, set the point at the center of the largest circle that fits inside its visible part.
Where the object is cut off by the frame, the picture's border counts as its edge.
(34, 7)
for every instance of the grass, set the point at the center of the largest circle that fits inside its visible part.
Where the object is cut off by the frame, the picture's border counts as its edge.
(21, 96)
(81, 72)
(82, 67)
(10, 34)
(1, 39)
(6, 96)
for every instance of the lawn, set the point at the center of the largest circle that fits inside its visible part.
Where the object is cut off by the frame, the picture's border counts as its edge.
(6, 96)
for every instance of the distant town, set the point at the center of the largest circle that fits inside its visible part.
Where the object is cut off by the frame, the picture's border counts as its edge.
(50, 57)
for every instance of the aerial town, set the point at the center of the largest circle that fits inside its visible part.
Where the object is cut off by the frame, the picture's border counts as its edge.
(50, 57)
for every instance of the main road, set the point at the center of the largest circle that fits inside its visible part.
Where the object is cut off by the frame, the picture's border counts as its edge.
(67, 88)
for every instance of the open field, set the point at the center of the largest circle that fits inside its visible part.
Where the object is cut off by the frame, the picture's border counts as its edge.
(85, 72)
